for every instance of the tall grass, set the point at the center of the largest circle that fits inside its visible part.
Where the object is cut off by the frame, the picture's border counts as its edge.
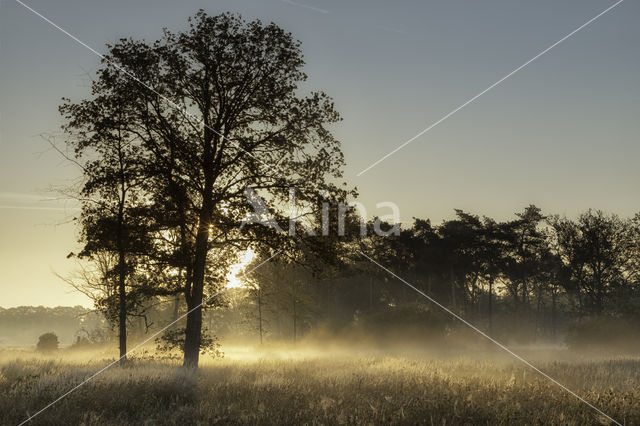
(304, 387)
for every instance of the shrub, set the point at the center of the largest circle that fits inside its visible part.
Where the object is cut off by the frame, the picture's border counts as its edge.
(47, 342)
(173, 340)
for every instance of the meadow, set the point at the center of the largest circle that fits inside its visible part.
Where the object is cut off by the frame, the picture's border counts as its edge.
(321, 385)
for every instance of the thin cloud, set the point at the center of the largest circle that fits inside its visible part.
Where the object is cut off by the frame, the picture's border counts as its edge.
(9, 207)
(306, 6)
(391, 29)
(20, 196)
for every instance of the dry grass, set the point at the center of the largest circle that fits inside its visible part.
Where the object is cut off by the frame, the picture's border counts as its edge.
(280, 386)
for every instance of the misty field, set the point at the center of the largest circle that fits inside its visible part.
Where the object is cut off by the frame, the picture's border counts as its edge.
(329, 386)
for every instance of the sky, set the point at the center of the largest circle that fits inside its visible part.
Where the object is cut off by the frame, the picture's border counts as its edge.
(561, 133)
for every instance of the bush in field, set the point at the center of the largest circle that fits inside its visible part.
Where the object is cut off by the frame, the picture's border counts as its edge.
(48, 342)
(173, 340)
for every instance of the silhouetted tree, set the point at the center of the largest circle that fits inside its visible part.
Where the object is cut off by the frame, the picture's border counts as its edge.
(596, 250)
(224, 113)
(461, 238)
(492, 254)
(527, 242)
(112, 192)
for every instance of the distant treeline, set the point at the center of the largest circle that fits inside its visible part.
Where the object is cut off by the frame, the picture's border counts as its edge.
(534, 277)
(22, 325)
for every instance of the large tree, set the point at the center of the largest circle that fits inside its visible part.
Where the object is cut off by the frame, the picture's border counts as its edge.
(217, 109)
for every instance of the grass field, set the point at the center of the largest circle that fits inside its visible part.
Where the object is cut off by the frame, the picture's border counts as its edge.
(303, 386)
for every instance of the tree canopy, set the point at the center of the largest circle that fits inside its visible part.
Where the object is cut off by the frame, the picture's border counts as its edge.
(178, 129)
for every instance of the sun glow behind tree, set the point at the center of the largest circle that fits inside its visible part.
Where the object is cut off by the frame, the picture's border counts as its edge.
(234, 277)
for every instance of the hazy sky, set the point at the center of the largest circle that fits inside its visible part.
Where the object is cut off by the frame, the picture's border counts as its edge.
(562, 133)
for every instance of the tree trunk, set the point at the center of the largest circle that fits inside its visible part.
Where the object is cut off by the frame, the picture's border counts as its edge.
(192, 336)
(295, 314)
(196, 290)
(490, 305)
(122, 308)
(194, 299)
(371, 294)
(176, 309)
(260, 312)
(404, 295)
(539, 319)
(122, 260)
(453, 289)
(553, 313)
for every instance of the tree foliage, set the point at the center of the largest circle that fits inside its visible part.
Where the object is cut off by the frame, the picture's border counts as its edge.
(181, 127)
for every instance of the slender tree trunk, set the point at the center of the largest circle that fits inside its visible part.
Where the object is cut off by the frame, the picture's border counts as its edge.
(122, 260)
(553, 313)
(490, 305)
(539, 321)
(371, 294)
(260, 312)
(295, 314)
(453, 288)
(598, 278)
(328, 299)
(122, 308)
(176, 308)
